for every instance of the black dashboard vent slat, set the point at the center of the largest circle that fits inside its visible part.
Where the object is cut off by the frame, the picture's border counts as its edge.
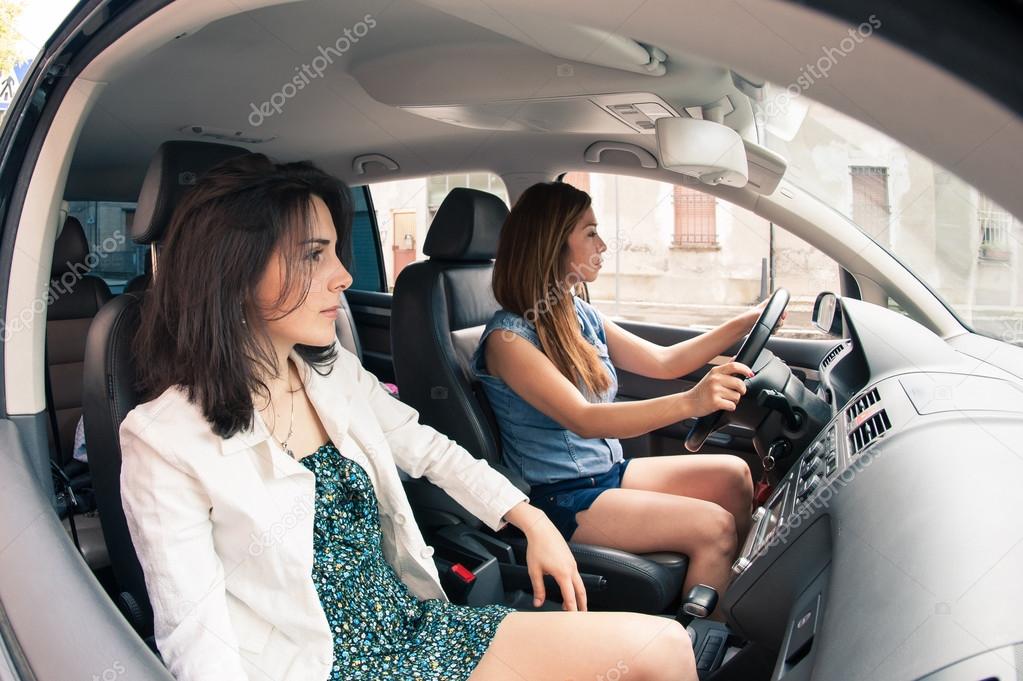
(830, 357)
(866, 400)
(871, 429)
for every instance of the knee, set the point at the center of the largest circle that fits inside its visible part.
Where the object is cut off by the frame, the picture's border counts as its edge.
(741, 478)
(721, 534)
(669, 655)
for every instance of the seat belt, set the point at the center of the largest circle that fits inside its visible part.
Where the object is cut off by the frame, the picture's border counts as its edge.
(61, 482)
(51, 407)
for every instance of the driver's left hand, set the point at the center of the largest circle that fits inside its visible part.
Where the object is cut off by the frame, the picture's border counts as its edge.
(751, 316)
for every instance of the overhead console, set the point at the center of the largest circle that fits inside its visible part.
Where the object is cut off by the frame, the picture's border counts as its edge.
(630, 112)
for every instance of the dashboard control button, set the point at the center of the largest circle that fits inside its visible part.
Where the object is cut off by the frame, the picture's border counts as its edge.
(804, 626)
(808, 487)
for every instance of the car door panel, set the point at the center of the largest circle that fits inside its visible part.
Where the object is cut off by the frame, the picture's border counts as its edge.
(49, 595)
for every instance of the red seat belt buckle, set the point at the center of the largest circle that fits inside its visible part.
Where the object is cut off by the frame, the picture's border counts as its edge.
(463, 573)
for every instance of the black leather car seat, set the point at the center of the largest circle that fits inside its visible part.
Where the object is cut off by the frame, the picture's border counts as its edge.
(77, 298)
(438, 313)
(109, 380)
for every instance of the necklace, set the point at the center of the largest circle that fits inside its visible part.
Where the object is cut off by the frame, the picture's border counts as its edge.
(291, 423)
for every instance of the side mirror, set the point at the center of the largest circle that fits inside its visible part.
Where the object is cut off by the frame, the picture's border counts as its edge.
(825, 313)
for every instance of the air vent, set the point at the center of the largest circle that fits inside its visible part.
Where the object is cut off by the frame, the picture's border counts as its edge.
(832, 355)
(866, 401)
(874, 427)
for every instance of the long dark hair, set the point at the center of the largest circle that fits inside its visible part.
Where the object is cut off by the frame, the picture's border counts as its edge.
(529, 278)
(219, 242)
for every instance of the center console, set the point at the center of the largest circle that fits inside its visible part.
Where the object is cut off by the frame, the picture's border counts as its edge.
(778, 591)
(815, 468)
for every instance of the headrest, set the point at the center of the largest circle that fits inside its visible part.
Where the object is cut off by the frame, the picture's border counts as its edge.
(466, 226)
(173, 171)
(71, 248)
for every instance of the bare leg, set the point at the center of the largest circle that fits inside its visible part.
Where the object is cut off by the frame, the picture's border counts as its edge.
(554, 646)
(641, 521)
(724, 479)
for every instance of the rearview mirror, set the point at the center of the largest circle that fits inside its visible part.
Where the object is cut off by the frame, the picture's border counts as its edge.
(825, 313)
(709, 151)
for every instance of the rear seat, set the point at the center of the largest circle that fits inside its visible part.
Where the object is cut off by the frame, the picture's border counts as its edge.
(141, 281)
(77, 297)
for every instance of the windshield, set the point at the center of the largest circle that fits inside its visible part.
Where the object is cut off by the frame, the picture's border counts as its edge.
(956, 240)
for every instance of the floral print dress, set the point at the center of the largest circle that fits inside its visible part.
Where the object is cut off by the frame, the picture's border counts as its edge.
(381, 631)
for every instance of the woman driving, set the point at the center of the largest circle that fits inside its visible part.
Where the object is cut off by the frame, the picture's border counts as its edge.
(260, 479)
(549, 374)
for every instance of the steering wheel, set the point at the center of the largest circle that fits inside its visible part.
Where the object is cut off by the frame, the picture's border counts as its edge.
(748, 353)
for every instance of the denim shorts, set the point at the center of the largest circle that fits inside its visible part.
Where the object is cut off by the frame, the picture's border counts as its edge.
(563, 499)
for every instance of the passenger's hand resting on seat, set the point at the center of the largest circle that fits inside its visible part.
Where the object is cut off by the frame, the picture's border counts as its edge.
(547, 553)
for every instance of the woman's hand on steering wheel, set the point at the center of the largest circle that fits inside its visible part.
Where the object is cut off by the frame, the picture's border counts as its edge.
(720, 389)
(751, 316)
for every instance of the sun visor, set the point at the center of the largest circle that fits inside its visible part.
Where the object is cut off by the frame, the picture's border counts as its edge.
(562, 39)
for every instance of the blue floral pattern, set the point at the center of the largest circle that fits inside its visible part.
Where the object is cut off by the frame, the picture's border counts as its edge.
(381, 630)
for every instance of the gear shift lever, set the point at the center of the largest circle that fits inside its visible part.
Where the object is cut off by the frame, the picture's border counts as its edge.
(699, 602)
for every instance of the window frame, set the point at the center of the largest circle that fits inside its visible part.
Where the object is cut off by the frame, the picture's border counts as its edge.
(367, 196)
(496, 186)
(846, 282)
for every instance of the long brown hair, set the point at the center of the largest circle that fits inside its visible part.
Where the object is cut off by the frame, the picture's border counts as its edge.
(200, 326)
(530, 279)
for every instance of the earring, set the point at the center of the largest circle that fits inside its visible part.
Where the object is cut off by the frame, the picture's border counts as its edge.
(242, 306)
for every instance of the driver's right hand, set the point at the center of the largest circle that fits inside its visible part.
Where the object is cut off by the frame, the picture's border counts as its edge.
(720, 390)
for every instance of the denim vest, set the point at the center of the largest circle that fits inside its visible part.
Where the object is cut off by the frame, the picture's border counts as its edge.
(535, 445)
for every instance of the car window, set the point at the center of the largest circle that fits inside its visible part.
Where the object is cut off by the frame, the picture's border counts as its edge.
(681, 257)
(960, 243)
(107, 226)
(404, 210)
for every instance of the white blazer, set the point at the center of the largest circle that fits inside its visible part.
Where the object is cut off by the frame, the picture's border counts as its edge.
(223, 528)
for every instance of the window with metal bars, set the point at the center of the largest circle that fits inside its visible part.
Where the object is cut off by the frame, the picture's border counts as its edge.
(871, 210)
(695, 217)
(995, 224)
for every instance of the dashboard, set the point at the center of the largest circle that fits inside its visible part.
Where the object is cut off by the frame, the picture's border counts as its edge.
(898, 514)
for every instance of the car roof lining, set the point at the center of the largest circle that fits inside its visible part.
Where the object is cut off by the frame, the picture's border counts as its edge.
(415, 55)
(976, 137)
(238, 58)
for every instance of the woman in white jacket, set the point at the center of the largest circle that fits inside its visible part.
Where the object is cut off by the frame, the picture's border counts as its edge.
(260, 486)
